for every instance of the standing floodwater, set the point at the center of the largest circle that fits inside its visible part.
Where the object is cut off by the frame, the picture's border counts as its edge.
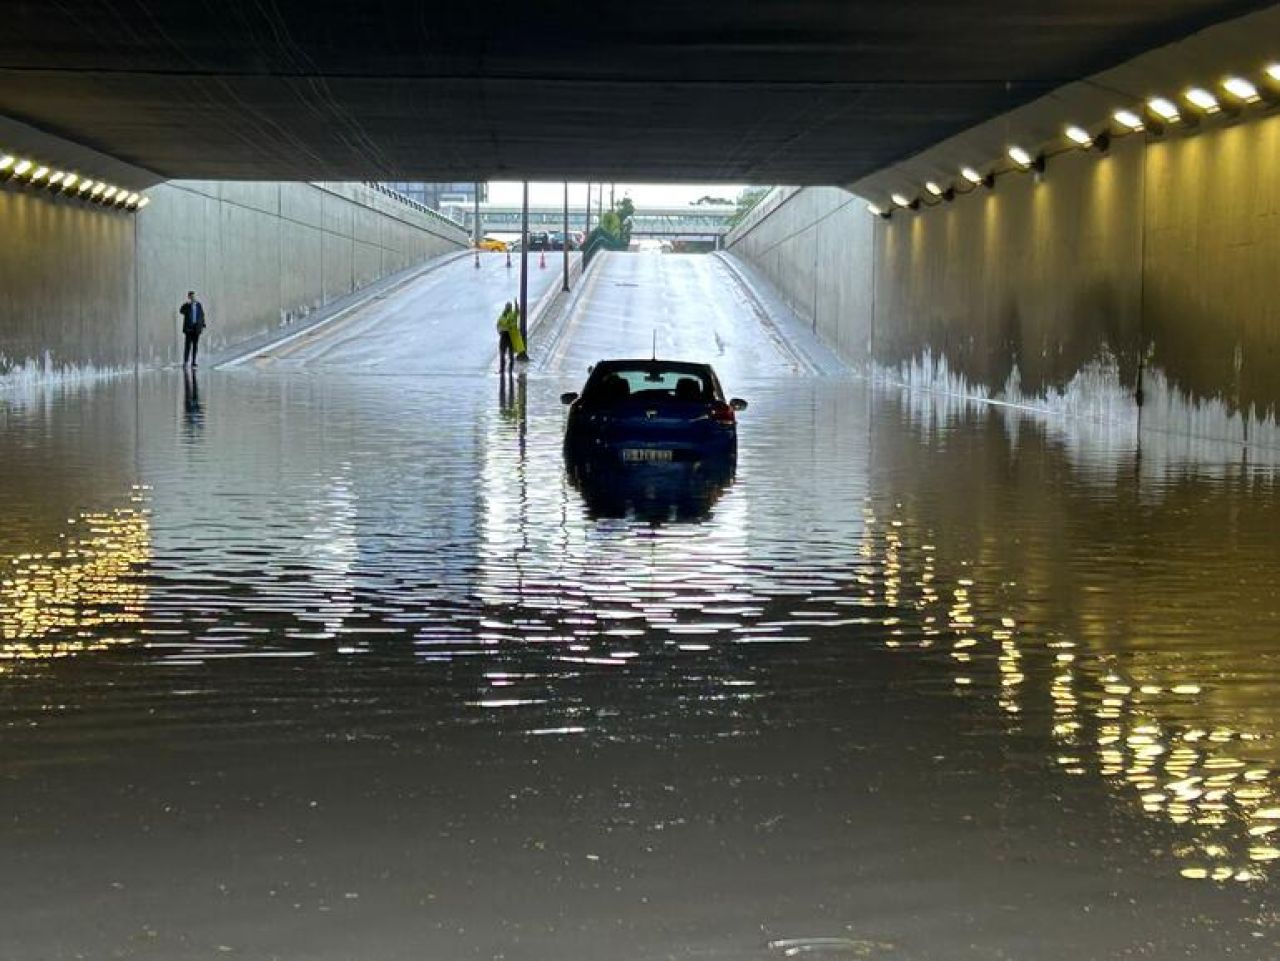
(335, 667)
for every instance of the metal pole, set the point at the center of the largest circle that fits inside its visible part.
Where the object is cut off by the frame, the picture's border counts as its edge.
(588, 228)
(475, 226)
(565, 244)
(612, 205)
(524, 272)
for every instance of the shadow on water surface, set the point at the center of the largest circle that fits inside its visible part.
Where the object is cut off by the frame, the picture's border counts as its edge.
(368, 675)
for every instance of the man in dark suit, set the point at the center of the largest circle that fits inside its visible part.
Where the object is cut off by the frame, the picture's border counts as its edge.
(192, 327)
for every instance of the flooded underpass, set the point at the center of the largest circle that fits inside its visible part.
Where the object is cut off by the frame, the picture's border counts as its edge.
(327, 666)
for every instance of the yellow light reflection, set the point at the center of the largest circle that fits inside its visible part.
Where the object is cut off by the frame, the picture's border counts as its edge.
(70, 600)
(1130, 726)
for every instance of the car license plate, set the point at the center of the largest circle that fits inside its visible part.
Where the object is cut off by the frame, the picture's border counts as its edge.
(637, 455)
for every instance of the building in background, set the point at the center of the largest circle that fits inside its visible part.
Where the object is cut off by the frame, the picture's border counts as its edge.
(441, 197)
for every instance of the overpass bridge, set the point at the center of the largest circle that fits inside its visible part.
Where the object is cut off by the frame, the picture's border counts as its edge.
(682, 222)
(763, 92)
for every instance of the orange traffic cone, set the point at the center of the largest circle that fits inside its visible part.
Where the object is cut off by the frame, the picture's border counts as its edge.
(542, 258)
(508, 258)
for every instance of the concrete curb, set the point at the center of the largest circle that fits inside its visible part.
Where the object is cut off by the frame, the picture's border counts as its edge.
(565, 312)
(793, 335)
(543, 307)
(247, 350)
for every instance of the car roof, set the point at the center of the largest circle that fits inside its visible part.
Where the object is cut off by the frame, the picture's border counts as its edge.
(649, 362)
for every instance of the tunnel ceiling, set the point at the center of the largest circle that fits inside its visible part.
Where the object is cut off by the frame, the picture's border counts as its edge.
(773, 91)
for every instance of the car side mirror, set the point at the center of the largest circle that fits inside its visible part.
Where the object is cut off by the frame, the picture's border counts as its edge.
(569, 397)
(738, 404)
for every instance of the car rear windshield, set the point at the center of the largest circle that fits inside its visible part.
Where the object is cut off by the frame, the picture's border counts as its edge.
(620, 383)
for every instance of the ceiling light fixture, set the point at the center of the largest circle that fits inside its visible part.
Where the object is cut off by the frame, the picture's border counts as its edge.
(64, 183)
(1199, 97)
(1079, 136)
(1241, 89)
(1164, 109)
(1019, 156)
(1128, 118)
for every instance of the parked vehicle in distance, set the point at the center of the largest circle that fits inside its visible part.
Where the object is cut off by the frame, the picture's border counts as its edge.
(539, 240)
(493, 243)
(556, 240)
(652, 412)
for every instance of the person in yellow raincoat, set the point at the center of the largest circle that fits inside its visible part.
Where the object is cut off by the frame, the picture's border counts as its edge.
(510, 343)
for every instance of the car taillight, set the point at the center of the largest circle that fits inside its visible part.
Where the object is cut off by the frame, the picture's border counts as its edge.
(722, 413)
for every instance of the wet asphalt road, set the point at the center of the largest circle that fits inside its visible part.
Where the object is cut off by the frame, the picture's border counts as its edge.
(441, 323)
(682, 307)
(311, 664)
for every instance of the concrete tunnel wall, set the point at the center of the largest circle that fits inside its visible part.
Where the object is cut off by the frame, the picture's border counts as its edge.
(86, 290)
(1146, 273)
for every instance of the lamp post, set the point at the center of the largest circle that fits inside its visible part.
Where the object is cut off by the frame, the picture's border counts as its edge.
(475, 225)
(565, 244)
(524, 274)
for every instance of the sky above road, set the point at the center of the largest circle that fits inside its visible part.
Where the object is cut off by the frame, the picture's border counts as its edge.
(509, 192)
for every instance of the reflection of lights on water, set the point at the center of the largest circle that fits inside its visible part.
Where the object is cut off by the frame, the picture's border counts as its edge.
(1186, 775)
(333, 550)
(546, 731)
(507, 702)
(59, 603)
(594, 588)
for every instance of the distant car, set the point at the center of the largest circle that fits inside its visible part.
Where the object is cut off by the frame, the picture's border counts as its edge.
(493, 243)
(555, 240)
(539, 240)
(651, 412)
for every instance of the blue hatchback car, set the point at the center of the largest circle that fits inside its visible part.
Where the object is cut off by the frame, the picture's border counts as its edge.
(634, 412)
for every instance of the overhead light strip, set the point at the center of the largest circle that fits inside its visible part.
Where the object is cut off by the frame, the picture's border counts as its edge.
(1152, 117)
(15, 169)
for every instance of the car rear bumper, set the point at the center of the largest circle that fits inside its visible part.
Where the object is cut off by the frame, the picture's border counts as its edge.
(639, 450)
